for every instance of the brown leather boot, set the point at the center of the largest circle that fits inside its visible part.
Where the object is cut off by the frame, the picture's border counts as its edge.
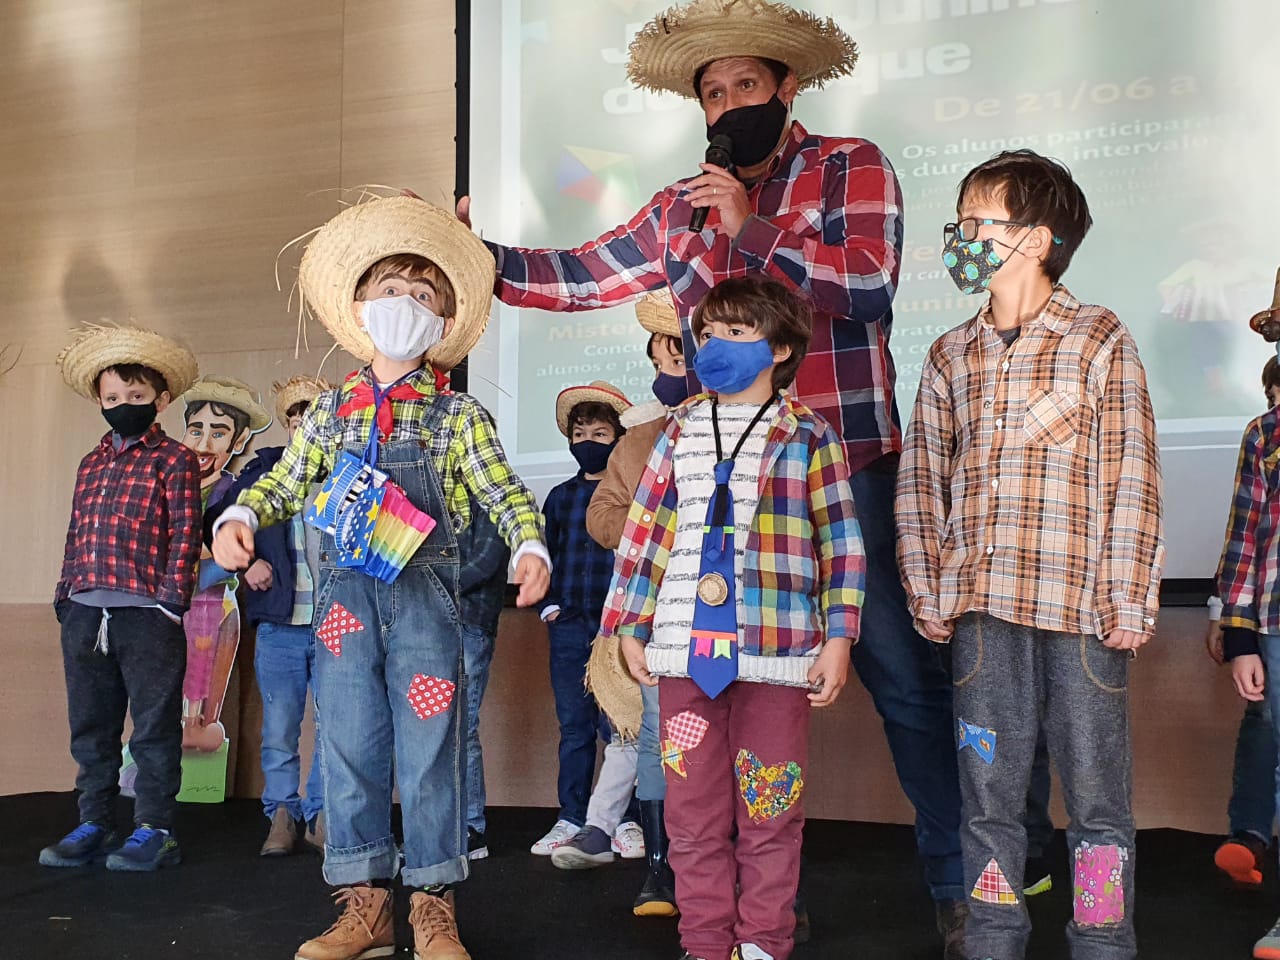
(282, 838)
(364, 930)
(435, 931)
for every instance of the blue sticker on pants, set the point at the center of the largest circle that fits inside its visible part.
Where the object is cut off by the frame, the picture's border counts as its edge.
(982, 740)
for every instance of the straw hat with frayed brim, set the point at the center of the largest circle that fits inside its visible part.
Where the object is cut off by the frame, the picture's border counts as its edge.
(656, 312)
(615, 690)
(101, 345)
(669, 51)
(229, 392)
(364, 233)
(297, 390)
(598, 390)
(1272, 313)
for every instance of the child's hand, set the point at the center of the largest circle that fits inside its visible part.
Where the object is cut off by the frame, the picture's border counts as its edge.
(935, 630)
(1249, 676)
(534, 579)
(258, 576)
(830, 672)
(1125, 640)
(1213, 642)
(633, 654)
(233, 546)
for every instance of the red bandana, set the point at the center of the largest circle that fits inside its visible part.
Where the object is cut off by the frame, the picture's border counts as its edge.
(362, 396)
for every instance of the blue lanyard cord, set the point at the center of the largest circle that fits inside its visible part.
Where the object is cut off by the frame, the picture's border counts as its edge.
(379, 398)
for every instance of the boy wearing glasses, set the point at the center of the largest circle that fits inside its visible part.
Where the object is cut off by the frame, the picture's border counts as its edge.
(1030, 537)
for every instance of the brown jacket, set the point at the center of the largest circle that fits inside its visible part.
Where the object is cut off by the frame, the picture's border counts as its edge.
(607, 512)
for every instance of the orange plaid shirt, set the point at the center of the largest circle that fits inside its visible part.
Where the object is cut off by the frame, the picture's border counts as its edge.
(1029, 487)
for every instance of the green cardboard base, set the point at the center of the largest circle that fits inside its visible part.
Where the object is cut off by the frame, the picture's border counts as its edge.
(204, 775)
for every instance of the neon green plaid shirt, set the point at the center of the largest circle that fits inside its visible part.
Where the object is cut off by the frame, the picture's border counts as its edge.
(467, 455)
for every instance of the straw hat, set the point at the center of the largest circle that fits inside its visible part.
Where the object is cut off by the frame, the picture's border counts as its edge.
(364, 233)
(296, 390)
(101, 345)
(615, 690)
(671, 48)
(1269, 318)
(229, 392)
(600, 390)
(656, 312)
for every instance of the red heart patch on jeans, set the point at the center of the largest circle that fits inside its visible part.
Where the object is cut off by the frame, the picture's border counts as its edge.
(337, 623)
(429, 696)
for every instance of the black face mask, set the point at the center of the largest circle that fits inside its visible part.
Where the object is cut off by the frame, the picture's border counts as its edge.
(754, 131)
(130, 419)
(591, 455)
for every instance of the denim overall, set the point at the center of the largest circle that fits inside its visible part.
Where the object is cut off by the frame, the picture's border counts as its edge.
(395, 697)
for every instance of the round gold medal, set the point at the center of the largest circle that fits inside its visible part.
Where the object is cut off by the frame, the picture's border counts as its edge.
(712, 589)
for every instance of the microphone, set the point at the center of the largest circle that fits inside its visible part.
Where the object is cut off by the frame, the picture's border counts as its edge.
(720, 153)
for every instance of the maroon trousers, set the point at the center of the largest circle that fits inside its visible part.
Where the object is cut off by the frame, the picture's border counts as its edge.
(734, 768)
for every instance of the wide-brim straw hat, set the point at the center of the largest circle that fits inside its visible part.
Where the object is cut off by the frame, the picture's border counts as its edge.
(656, 312)
(229, 392)
(1272, 313)
(344, 248)
(101, 345)
(668, 51)
(615, 690)
(297, 389)
(600, 390)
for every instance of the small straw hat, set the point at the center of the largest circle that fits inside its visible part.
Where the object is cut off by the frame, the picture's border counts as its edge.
(600, 390)
(344, 248)
(668, 52)
(101, 345)
(615, 690)
(230, 392)
(1271, 314)
(657, 313)
(296, 390)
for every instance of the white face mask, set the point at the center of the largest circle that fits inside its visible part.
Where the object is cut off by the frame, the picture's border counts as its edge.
(401, 328)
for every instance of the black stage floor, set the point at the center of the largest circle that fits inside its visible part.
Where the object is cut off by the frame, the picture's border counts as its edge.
(866, 899)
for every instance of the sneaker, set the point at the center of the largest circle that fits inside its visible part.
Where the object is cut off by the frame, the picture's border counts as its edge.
(628, 841)
(363, 931)
(749, 951)
(85, 844)
(1268, 948)
(590, 847)
(557, 836)
(477, 845)
(1240, 858)
(951, 916)
(314, 836)
(1036, 877)
(282, 838)
(689, 956)
(146, 849)
(435, 928)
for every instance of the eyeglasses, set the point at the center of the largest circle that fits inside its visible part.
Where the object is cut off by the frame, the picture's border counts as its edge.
(967, 229)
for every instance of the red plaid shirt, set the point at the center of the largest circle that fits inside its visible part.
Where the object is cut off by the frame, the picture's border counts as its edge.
(827, 223)
(135, 521)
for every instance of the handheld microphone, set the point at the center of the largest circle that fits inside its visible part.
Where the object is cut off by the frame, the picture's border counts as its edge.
(720, 153)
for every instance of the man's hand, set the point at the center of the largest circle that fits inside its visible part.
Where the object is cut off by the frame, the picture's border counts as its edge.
(534, 577)
(1213, 642)
(551, 617)
(633, 654)
(463, 210)
(830, 672)
(935, 630)
(1249, 676)
(719, 188)
(258, 576)
(1125, 640)
(233, 546)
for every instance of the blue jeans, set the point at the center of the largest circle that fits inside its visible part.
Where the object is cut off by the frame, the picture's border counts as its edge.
(581, 721)
(651, 784)
(911, 689)
(1270, 648)
(1252, 808)
(477, 655)
(284, 661)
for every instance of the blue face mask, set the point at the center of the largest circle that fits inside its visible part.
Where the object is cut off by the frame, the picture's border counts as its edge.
(730, 366)
(671, 390)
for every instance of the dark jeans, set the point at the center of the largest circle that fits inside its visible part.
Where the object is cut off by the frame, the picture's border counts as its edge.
(911, 689)
(1252, 808)
(141, 672)
(1038, 822)
(580, 719)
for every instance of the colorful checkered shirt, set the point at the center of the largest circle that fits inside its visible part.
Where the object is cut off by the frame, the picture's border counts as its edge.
(1029, 487)
(135, 521)
(580, 567)
(1249, 571)
(804, 573)
(827, 222)
(467, 456)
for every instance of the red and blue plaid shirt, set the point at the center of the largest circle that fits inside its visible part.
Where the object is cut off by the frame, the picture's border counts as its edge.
(581, 568)
(135, 521)
(1249, 571)
(827, 223)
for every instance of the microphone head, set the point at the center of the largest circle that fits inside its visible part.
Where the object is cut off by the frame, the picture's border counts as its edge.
(720, 151)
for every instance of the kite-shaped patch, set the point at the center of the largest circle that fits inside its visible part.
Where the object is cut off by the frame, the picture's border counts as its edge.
(686, 729)
(429, 696)
(673, 757)
(992, 887)
(337, 623)
(981, 739)
(767, 791)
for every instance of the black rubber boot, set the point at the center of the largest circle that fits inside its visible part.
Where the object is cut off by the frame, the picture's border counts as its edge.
(657, 897)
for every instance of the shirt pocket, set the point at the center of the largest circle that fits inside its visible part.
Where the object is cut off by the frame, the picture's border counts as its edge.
(1052, 418)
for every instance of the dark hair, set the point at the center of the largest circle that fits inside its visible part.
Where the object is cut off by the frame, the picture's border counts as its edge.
(1270, 376)
(297, 409)
(1035, 190)
(595, 411)
(134, 373)
(413, 267)
(239, 419)
(775, 67)
(675, 344)
(783, 319)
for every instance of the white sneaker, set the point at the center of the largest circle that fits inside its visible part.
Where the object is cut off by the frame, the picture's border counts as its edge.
(628, 841)
(749, 951)
(557, 836)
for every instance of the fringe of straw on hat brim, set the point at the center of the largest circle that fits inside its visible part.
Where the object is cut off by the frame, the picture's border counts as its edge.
(101, 345)
(657, 316)
(615, 690)
(296, 390)
(570, 397)
(239, 397)
(668, 51)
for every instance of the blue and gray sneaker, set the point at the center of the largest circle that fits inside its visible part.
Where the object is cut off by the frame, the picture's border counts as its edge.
(146, 849)
(85, 844)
